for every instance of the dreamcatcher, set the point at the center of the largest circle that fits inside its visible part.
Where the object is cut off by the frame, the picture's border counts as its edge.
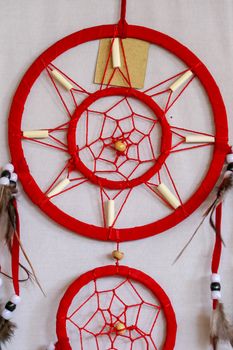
(114, 143)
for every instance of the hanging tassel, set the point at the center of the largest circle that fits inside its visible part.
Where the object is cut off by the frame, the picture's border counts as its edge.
(10, 218)
(221, 328)
(10, 227)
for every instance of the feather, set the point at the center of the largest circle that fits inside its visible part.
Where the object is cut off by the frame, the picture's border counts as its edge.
(221, 329)
(8, 216)
(7, 329)
(225, 186)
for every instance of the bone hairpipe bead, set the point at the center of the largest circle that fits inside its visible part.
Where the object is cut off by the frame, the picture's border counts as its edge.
(36, 134)
(61, 79)
(181, 80)
(168, 196)
(116, 55)
(59, 187)
(199, 139)
(110, 212)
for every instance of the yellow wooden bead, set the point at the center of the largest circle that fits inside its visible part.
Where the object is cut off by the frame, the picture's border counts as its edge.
(117, 255)
(120, 146)
(120, 327)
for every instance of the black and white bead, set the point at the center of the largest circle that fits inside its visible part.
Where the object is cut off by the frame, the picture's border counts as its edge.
(229, 160)
(215, 287)
(10, 307)
(13, 178)
(6, 174)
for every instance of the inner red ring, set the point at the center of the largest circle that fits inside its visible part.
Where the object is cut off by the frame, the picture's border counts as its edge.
(166, 137)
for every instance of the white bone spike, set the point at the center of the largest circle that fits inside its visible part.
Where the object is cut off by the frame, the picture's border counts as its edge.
(59, 187)
(61, 79)
(116, 55)
(110, 212)
(199, 139)
(181, 80)
(168, 196)
(36, 134)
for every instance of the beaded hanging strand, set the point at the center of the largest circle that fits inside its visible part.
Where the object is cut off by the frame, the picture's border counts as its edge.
(8, 213)
(221, 328)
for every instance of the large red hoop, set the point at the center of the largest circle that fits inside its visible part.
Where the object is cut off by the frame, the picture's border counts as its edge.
(107, 31)
(122, 271)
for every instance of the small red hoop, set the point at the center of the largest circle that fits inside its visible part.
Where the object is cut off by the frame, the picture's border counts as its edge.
(109, 271)
(165, 142)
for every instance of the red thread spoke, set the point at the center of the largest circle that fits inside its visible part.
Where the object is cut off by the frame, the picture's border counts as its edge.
(69, 188)
(189, 130)
(45, 144)
(173, 182)
(191, 148)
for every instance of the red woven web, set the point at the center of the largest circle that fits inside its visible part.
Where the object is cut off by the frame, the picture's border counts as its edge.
(140, 141)
(136, 131)
(108, 319)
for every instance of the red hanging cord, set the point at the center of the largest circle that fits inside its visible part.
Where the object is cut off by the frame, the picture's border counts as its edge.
(123, 10)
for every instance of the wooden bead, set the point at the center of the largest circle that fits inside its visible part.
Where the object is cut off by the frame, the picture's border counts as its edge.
(117, 255)
(120, 146)
(120, 327)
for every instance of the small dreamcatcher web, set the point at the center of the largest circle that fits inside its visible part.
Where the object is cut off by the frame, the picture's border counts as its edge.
(115, 307)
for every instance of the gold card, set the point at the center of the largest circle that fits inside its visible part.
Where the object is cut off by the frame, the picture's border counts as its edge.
(136, 53)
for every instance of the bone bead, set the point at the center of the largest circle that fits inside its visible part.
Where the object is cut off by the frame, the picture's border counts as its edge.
(59, 187)
(14, 177)
(15, 299)
(6, 314)
(229, 158)
(36, 134)
(215, 277)
(110, 212)
(181, 80)
(168, 196)
(199, 139)
(61, 79)
(216, 295)
(116, 254)
(9, 167)
(116, 55)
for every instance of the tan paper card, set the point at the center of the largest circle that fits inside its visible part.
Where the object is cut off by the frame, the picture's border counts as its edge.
(136, 52)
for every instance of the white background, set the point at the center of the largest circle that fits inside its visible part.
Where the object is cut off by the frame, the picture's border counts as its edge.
(27, 27)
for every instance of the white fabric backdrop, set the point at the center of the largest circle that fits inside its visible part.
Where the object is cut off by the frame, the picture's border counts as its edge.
(27, 27)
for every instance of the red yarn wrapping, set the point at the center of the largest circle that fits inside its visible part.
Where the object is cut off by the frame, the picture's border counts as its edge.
(111, 31)
(131, 325)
